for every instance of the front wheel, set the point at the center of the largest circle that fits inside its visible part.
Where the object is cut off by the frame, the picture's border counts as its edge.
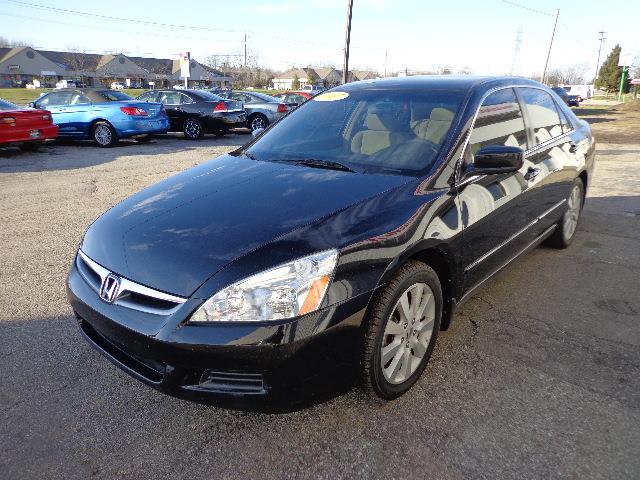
(401, 331)
(566, 228)
(192, 129)
(104, 135)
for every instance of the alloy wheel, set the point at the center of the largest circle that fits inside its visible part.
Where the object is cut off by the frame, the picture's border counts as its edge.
(407, 333)
(573, 212)
(258, 122)
(192, 128)
(102, 134)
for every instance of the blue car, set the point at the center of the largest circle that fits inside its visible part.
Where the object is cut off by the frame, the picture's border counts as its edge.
(103, 115)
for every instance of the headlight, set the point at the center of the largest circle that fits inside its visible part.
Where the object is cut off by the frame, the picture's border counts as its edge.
(286, 291)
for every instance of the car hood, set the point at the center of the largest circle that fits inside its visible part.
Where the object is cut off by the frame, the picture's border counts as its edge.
(176, 234)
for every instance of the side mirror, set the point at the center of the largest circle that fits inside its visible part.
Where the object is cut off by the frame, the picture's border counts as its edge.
(257, 132)
(494, 159)
(31, 104)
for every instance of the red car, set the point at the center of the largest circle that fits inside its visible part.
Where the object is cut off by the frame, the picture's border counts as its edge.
(25, 127)
(293, 99)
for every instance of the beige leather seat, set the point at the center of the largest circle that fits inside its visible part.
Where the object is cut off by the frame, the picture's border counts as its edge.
(377, 137)
(436, 127)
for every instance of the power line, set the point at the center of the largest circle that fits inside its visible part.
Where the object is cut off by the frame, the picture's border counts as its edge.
(528, 8)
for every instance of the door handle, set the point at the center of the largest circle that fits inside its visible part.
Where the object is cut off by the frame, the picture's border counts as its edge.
(573, 148)
(532, 172)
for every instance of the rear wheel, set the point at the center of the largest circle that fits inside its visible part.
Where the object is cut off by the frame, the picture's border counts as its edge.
(30, 147)
(192, 129)
(257, 121)
(401, 331)
(104, 135)
(566, 228)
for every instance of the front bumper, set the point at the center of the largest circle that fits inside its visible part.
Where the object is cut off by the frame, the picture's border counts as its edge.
(235, 365)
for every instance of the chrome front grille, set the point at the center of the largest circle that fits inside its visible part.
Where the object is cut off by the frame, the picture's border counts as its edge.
(129, 294)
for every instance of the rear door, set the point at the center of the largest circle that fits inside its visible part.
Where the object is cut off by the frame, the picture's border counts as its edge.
(492, 210)
(550, 168)
(173, 105)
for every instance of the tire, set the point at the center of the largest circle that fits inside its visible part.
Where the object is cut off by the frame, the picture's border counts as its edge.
(30, 147)
(567, 226)
(144, 139)
(256, 121)
(400, 341)
(192, 129)
(104, 135)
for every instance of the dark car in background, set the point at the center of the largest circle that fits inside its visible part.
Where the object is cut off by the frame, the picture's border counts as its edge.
(562, 93)
(196, 112)
(337, 244)
(262, 110)
(103, 115)
(25, 127)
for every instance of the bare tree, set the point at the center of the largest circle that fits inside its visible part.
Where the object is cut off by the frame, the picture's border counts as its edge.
(568, 75)
(76, 61)
(7, 43)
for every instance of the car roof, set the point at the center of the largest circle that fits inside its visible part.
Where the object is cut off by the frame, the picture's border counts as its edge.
(460, 83)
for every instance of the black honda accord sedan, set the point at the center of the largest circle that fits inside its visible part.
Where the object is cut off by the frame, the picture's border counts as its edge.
(340, 240)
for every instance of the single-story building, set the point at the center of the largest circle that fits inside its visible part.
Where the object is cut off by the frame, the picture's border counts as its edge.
(325, 76)
(22, 65)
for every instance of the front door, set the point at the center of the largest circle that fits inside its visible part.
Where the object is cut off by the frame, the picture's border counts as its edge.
(493, 215)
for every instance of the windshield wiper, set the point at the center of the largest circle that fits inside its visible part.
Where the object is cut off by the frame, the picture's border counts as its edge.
(317, 163)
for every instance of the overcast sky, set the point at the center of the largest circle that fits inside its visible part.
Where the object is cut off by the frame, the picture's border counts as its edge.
(416, 34)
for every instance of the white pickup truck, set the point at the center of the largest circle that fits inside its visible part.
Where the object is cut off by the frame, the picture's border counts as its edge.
(582, 91)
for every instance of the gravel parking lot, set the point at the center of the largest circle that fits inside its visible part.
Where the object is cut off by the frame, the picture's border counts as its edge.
(538, 377)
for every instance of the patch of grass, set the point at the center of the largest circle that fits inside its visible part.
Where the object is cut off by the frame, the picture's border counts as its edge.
(21, 96)
(613, 124)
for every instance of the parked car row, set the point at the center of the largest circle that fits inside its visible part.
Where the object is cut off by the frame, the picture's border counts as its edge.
(105, 115)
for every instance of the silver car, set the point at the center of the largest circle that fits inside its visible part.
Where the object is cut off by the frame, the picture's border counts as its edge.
(262, 110)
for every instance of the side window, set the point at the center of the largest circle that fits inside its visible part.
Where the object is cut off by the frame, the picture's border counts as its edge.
(185, 99)
(78, 99)
(55, 99)
(148, 97)
(543, 114)
(566, 124)
(499, 122)
(170, 98)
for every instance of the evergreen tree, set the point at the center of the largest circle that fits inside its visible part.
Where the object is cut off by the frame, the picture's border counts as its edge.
(296, 82)
(610, 73)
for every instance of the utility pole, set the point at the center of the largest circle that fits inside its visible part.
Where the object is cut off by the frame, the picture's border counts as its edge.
(516, 50)
(546, 64)
(245, 49)
(602, 39)
(347, 42)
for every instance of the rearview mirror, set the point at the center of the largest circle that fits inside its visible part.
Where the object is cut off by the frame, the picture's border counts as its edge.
(494, 159)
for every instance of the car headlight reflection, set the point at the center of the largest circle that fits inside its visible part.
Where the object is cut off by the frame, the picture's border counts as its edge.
(286, 291)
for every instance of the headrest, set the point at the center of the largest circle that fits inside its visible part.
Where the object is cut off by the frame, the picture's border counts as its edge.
(374, 123)
(441, 115)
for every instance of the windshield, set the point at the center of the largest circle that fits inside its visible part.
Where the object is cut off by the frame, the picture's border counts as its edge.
(369, 131)
(114, 96)
(4, 105)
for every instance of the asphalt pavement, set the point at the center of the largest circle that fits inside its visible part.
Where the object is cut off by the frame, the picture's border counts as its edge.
(538, 377)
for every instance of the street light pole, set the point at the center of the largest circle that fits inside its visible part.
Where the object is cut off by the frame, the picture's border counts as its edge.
(546, 64)
(347, 41)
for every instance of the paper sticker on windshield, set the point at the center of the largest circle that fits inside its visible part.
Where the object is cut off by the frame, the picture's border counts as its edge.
(331, 96)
